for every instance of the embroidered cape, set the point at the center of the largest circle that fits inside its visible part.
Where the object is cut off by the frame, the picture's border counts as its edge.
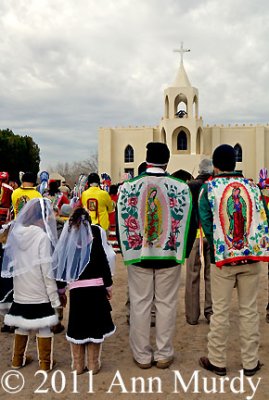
(240, 228)
(153, 218)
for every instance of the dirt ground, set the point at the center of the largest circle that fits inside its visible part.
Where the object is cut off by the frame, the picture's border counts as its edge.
(121, 379)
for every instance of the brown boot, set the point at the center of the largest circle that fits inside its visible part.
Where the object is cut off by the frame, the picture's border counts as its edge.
(78, 358)
(19, 358)
(45, 353)
(94, 357)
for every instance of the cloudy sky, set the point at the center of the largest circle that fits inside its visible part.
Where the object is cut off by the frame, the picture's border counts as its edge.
(68, 67)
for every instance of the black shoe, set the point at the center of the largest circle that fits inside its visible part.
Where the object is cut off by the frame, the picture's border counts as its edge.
(5, 328)
(251, 372)
(208, 316)
(206, 364)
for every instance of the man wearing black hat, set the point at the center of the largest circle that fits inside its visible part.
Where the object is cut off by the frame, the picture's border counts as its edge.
(235, 219)
(27, 191)
(153, 221)
(97, 202)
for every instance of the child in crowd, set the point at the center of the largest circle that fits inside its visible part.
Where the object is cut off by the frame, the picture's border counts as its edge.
(27, 258)
(80, 260)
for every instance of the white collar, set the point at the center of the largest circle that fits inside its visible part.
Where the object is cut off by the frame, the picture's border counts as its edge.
(155, 170)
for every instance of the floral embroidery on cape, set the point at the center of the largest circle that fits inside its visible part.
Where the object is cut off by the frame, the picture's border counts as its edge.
(153, 218)
(240, 229)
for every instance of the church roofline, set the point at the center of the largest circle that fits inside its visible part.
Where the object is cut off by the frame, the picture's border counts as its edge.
(130, 127)
(236, 125)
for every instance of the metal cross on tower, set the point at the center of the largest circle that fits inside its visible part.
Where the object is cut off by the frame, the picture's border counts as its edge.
(181, 51)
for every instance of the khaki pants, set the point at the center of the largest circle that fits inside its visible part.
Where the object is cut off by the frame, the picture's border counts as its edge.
(245, 279)
(146, 284)
(192, 287)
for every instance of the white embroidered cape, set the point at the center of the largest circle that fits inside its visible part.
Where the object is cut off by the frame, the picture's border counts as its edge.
(240, 228)
(153, 218)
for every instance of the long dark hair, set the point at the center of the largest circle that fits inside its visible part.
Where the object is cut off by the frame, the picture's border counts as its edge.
(78, 216)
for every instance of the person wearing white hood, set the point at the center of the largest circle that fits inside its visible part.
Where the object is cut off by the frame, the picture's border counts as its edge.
(27, 259)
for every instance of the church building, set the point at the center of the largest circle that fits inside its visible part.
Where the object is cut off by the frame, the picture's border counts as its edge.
(122, 150)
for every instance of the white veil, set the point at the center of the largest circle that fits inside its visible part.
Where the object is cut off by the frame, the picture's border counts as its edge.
(31, 239)
(72, 253)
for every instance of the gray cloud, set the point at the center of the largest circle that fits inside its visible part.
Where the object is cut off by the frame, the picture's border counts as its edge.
(67, 68)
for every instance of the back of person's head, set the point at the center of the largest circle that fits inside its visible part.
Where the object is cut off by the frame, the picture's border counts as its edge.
(65, 210)
(142, 168)
(113, 189)
(29, 177)
(53, 188)
(224, 158)
(78, 216)
(205, 167)
(158, 154)
(93, 178)
(183, 175)
(34, 211)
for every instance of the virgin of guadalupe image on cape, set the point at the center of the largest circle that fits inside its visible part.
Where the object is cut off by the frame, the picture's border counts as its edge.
(153, 218)
(237, 214)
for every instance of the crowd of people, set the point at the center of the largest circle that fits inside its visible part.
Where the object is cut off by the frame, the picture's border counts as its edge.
(55, 239)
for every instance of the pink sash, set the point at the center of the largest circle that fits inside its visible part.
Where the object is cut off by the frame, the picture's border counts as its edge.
(86, 283)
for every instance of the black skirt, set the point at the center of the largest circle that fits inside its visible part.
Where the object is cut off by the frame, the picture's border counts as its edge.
(6, 294)
(89, 315)
(31, 316)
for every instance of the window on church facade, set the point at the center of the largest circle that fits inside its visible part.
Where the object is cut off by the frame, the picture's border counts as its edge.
(182, 142)
(129, 154)
(238, 153)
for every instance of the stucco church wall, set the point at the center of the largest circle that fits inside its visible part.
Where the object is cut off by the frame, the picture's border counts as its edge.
(104, 150)
(246, 138)
(207, 142)
(115, 141)
(266, 146)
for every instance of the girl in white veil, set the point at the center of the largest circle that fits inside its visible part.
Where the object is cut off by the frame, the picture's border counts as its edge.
(27, 258)
(80, 260)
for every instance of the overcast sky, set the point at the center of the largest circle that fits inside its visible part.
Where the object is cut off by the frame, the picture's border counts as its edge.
(68, 67)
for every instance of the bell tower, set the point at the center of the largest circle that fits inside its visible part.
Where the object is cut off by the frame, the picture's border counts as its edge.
(181, 127)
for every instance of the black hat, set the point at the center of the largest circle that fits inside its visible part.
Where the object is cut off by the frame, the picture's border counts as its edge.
(224, 158)
(142, 168)
(29, 177)
(93, 178)
(157, 153)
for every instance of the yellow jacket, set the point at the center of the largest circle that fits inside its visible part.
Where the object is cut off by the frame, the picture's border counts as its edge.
(21, 195)
(99, 204)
